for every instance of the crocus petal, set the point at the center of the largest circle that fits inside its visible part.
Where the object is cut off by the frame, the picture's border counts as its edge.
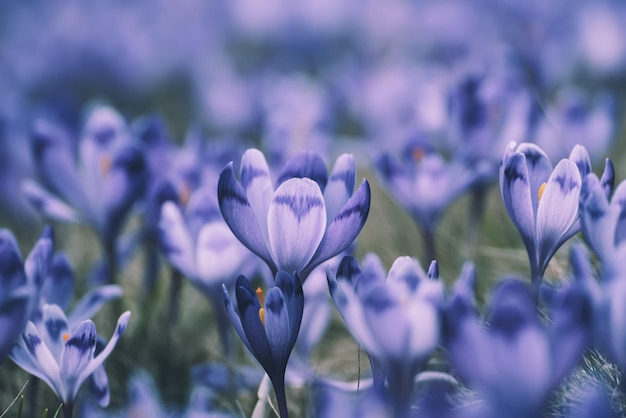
(296, 223)
(344, 228)
(202, 209)
(558, 208)
(257, 185)
(254, 330)
(580, 157)
(38, 260)
(340, 185)
(176, 242)
(305, 164)
(388, 321)
(219, 255)
(608, 177)
(58, 286)
(405, 274)
(122, 322)
(32, 355)
(348, 269)
(91, 303)
(618, 211)
(351, 310)
(539, 169)
(277, 326)
(598, 219)
(396, 179)
(54, 329)
(55, 163)
(47, 204)
(516, 192)
(234, 318)
(99, 386)
(240, 216)
(75, 357)
(13, 316)
(293, 294)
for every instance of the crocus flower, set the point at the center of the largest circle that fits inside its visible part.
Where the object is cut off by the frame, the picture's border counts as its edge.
(425, 185)
(100, 188)
(514, 362)
(543, 201)
(307, 219)
(268, 326)
(19, 284)
(62, 357)
(603, 224)
(394, 318)
(199, 244)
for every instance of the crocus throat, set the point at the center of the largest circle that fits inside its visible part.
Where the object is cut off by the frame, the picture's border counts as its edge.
(540, 192)
(418, 154)
(259, 294)
(66, 336)
(105, 165)
(184, 194)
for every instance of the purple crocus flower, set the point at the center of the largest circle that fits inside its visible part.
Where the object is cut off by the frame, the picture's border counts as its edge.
(199, 244)
(425, 185)
(603, 224)
(543, 201)
(19, 284)
(269, 326)
(308, 218)
(394, 317)
(63, 357)
(513, 361)
(100, 188)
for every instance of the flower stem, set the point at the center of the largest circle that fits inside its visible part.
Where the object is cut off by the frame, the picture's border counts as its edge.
(176, 282)
(68, 409)
(281, 397)
(430, 250)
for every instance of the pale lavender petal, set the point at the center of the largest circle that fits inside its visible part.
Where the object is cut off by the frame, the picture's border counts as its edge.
(91, 303)
(32, 355)
(558, 208)
(47, 204)
(257, 184)
(99, 386)
(340, 185)
(219, 255)
(343, 230)
(580, 157)
(516, 192)
(240, 216)
(76, 355)
(122, 322)
(539, 168)
(54, 329)
(175, 239)
(296, 223)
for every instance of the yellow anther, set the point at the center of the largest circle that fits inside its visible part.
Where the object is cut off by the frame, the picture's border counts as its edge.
(105, 165)
(259, 294)
(185, 194)
(541, 190)
(418, 154)
(66, 336)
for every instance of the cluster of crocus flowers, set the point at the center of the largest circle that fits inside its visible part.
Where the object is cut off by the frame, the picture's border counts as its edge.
(268, 325)
(306, 219)
(542, 201)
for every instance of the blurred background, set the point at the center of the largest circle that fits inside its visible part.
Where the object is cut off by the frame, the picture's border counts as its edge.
(361, 76)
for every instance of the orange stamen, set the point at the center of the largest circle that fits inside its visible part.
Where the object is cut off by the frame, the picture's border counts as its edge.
(66, 336)
(541, 190)
(185, 194)
(259, 294)
(105, 165)
(262, 315)
(419, 154)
